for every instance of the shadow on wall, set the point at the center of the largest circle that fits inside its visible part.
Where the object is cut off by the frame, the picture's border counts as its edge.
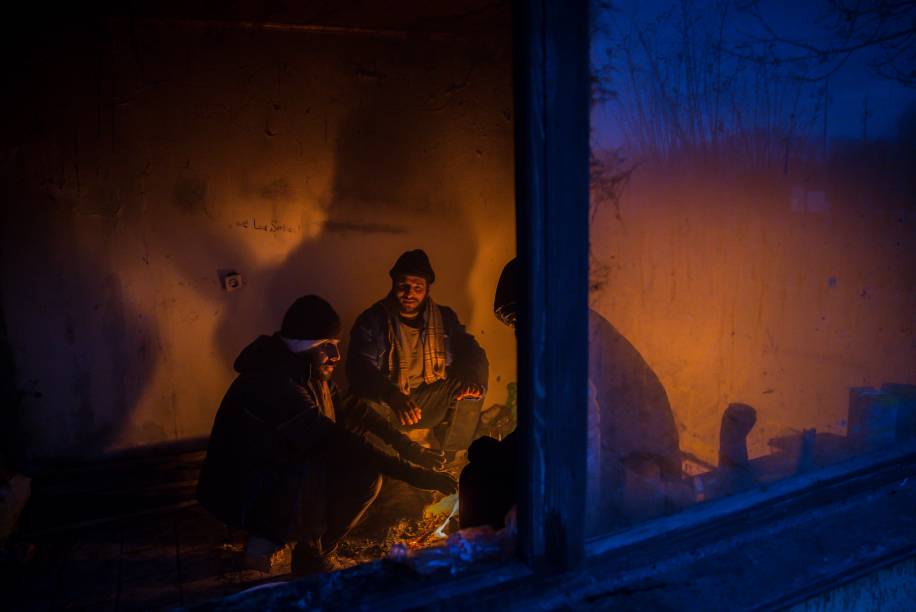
(379, 206)
(779, 290)
(13, 454)
(94, 350)
(388, 194)
(132, 194)
(105, 325)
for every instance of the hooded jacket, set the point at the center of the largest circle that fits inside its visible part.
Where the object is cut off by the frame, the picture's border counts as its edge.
(266, 461)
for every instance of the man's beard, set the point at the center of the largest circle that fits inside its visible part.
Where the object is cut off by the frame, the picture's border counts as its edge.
(418, 307)
(315, 371)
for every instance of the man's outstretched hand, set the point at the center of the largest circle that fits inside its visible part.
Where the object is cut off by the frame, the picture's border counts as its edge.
(432, 480)
(407, 410)
(469, 391)
(395, 466)
(426, 457)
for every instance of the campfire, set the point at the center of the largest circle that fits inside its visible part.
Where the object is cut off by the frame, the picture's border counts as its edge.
(446, 507)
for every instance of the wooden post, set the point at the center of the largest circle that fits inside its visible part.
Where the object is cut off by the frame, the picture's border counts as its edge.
(551, 140)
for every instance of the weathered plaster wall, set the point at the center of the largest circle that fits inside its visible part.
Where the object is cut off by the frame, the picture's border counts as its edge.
(150, 156)
(778, 290)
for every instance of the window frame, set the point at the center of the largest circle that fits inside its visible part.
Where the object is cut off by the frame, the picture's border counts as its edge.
(552, 95)
(552, 99)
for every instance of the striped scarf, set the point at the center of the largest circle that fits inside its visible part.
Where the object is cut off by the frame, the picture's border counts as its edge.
(433, 347)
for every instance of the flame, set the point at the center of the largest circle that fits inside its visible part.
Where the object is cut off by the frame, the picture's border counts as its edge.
(439, 533)
(448, 507)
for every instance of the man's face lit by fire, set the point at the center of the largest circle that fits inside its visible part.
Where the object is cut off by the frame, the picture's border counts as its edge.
(324, 358)
(410, 293)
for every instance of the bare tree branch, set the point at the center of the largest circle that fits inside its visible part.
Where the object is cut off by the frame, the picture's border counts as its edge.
(884, 28)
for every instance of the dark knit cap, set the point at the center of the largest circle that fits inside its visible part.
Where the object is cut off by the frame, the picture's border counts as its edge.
(413, 263)
(310, 318)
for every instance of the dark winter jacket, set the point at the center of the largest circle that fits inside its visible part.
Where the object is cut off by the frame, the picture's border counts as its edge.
(265, 466)
(367, 356)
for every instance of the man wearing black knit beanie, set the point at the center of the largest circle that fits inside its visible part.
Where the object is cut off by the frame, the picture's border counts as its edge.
(287, 461)
(413, 357)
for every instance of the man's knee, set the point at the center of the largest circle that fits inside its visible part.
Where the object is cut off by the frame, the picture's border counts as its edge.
(457, 431)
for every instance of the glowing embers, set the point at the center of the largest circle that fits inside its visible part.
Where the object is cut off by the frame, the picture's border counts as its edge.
(440, 519)
(429, 554)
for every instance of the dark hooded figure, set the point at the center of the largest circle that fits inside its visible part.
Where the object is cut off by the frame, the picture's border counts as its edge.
(413, 357)
(631, 429)
(287, 461)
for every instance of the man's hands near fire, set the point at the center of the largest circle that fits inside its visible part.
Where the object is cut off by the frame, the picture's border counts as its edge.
(469, 391)
(426, 457)
(409, 413)
(406, 409)
(432, 480)
(419, 466)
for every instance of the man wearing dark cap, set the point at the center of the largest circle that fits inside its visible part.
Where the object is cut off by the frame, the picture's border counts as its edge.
(287, 460)
(415, 357)
(632, 434)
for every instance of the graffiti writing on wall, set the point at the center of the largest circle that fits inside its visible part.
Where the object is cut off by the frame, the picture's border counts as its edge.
(272, 226)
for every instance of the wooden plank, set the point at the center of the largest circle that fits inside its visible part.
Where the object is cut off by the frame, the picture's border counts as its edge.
(117, 489)
(118, 474)
(552, 102)
(106, 520)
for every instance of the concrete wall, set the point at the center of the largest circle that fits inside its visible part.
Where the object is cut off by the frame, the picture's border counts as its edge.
(777, 288)
(149, 156)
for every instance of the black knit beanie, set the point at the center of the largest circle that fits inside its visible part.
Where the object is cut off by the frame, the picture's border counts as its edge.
(413, 263)
(310, 318)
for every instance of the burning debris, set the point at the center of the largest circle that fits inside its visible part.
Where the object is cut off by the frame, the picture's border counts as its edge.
(460, 549)
(451, 500)
(402, 516)
(405, 521)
